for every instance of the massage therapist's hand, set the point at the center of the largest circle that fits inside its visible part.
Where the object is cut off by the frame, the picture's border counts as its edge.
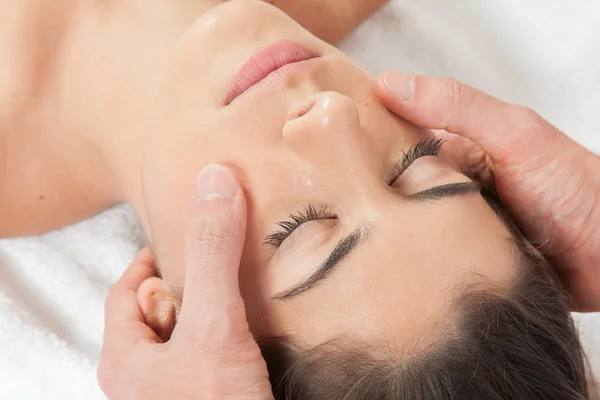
(211, 353)
(549, 183)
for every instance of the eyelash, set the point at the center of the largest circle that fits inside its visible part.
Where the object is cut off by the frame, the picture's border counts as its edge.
(310, 213)
(426, 147)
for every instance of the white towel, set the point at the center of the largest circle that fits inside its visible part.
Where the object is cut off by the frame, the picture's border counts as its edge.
(541, 53)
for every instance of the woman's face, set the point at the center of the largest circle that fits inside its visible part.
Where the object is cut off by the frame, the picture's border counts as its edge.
(369, 253)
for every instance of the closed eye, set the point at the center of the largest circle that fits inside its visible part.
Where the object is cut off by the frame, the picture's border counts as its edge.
(424, 148)
(286, 228)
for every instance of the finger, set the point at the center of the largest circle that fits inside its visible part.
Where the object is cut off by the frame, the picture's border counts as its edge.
(214, 244)
(442, 103)
(123, 317)
(467, 157)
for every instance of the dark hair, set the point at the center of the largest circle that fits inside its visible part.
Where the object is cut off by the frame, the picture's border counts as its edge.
(511, 341)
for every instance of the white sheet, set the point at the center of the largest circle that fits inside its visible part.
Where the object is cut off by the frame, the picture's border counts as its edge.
(541, 53)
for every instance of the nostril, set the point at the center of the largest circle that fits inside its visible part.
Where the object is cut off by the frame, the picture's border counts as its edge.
(303, 109)
(306, 108)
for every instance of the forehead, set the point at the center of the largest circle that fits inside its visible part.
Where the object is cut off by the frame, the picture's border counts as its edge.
(401, 281)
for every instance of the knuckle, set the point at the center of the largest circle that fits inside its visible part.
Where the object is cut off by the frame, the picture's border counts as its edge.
(113, 300)
(104, 377)
(530, 126)
(212, 233)
(526, 118)
(108, 302)
(117, 375)
(219, 330)
(458, 92)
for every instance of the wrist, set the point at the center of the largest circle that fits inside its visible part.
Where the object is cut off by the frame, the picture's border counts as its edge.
(584, 288)
(258, 391)
(581, 262)
(590, 247)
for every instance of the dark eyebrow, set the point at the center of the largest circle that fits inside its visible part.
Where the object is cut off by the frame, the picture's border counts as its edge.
(341, 251)
(358, 236)
(459, 189)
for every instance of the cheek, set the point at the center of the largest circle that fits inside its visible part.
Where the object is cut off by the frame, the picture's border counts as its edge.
(424, 249)
(461, 237)
(256, 289)
(168, 183)
(170, 167)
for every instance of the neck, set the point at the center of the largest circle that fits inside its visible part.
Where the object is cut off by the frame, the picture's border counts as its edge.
(109, 92)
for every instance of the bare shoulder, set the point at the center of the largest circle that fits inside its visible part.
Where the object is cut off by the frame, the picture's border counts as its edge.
(30, 35)
(39, 189)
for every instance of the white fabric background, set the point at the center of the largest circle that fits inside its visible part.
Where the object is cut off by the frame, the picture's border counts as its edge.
(540, 53)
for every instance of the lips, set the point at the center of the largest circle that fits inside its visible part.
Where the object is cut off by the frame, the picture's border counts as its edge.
(269, 66)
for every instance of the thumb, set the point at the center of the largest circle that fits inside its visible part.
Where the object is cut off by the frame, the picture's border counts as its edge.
(495, 126)
(214, 244)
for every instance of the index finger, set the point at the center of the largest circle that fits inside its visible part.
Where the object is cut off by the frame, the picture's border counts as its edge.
(123, 316)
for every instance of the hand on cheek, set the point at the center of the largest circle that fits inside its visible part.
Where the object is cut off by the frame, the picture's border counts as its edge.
(211, 353)
(548, 182)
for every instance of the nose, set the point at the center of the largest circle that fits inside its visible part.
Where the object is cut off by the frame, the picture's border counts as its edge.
(330, 141)
(326, 129)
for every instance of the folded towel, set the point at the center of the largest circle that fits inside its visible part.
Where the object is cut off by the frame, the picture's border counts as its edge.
(541, 53)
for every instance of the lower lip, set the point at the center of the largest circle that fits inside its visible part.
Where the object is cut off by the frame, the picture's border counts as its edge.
(269, 67)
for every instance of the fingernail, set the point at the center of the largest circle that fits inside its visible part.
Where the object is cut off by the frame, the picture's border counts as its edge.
(215, 181)
(401, 84)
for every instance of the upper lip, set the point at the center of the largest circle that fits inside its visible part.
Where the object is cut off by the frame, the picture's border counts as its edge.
(266, 61)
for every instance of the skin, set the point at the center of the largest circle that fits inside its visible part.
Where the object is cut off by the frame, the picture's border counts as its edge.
(548, 181)
(435, 105)
(338, 155)
(196, 363)
(87, 88)
(145, 143)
